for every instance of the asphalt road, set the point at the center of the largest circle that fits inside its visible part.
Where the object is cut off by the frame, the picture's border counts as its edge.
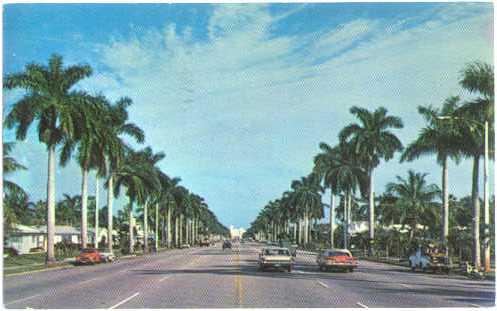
(212, 278)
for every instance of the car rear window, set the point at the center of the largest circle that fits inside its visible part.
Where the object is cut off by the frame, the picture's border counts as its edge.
(337, 253)
(276, 252)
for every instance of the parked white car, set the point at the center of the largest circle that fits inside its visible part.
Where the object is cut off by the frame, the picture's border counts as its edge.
(107, 256)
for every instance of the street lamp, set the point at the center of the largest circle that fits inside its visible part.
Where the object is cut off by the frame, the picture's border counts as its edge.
(486, 210)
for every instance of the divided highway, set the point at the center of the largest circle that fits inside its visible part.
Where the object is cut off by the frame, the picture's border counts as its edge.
(212, 278)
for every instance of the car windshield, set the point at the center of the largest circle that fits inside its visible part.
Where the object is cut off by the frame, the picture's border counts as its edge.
(276, 252)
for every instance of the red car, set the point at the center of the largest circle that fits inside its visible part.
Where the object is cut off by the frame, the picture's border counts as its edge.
(89, 256)
(336, 259)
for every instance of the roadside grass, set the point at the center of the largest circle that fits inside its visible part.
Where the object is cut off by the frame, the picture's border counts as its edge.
(24, 260)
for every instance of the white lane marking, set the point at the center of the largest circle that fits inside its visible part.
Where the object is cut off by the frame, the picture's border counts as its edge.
(322, 284)
(302, 272)
(88, 281)
(475, 305)
(125, 300)
(22, 299)
(405, 285)
(362, 305)
(164, 278)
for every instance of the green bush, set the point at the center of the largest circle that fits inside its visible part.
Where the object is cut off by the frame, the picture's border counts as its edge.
(66, 249)
(10, 251)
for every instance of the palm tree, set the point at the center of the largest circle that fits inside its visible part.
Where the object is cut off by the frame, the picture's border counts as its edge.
(444, 140)
(69, 207)
(10, 166)
(372, 142)
(150, 159)
(140, 179)
(115, 126)
(414, 199)
(478, 77)
(308, 199)
(324, 164)
(90, 153)
(168, 197)
(51, 102)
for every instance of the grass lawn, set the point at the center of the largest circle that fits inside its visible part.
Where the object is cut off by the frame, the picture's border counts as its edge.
(24, 260)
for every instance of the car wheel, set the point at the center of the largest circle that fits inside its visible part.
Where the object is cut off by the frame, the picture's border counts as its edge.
(321, 268)
(424, 269)
(351, 269)
(289, 268)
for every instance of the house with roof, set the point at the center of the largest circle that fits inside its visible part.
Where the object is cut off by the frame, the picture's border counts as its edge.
(23, 238)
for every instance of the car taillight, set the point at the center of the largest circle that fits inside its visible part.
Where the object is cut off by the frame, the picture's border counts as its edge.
(330, 258)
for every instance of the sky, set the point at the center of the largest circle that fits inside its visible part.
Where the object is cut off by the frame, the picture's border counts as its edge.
(239, 96)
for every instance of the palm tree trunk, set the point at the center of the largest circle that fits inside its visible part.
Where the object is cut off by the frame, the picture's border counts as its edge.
(145, 228)
(169, 229)
(131, 225)
(371, 213)
(332, 220)
(110, 197)
(345, 221)
(84, 208)
(96, 211)
(51, 206)
(195, 231)
(349, 216)
(163, 231)
(180, 229)
(187, 225)
(445, 212)
(476, 214)
(156, 226)
(176, 230)
(295, 232)
(306, 227)
(486, 208)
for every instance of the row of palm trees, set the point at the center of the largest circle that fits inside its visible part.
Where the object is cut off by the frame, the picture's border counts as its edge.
(454, 131)
(95, 133)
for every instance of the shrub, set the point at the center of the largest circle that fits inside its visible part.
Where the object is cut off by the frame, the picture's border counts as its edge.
(66, 249)
(36, 250)
(10, 251)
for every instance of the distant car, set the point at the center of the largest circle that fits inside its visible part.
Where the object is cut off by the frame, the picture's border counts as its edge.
(336, 259)
(185, 245)
(291, 247)
(89, 256)
(275, 257)
(107, 256)
(205, 243)
(226, 244)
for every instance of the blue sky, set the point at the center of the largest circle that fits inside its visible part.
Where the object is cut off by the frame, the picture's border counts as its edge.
(239, 96)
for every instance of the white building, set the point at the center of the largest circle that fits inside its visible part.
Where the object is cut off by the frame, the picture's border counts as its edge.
(236, 233)
(23, 238)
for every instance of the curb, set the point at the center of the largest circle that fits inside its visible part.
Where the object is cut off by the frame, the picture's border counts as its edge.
(64, 266)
